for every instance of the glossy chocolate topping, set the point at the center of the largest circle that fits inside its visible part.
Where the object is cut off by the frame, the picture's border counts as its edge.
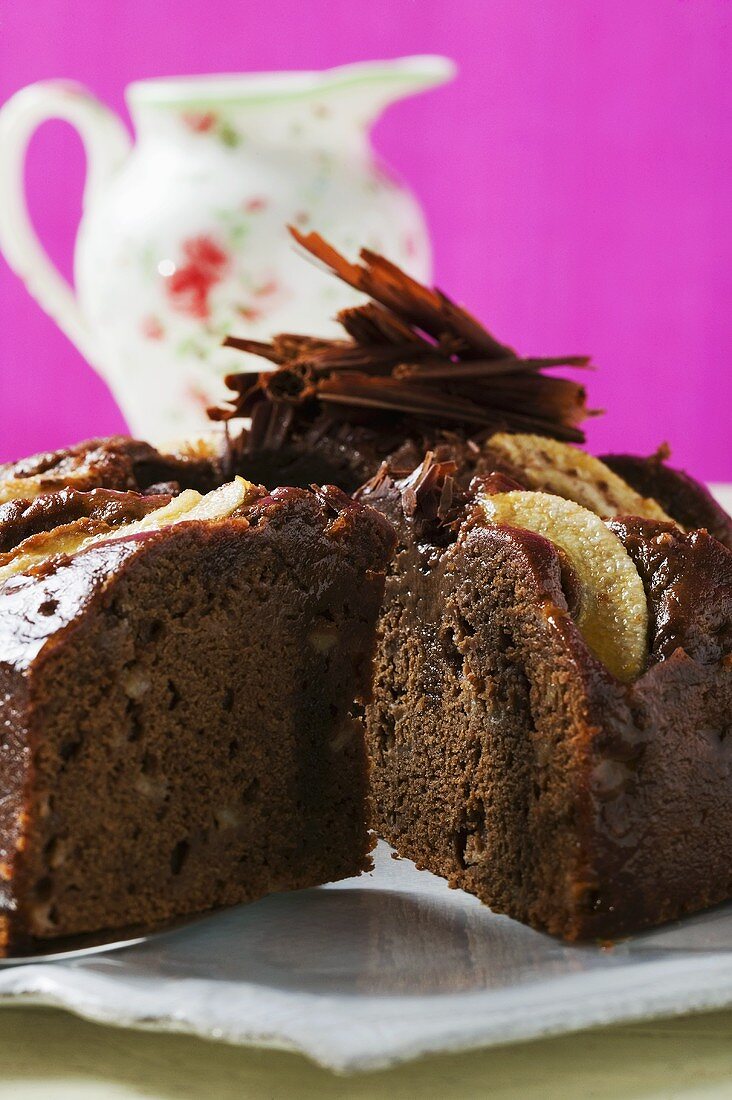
(687, 578)
(685, 499)
(116, 462)
(19, 519)
(47, 596)
(688, 583)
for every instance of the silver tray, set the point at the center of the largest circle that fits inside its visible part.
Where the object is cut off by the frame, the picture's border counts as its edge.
(380, 969)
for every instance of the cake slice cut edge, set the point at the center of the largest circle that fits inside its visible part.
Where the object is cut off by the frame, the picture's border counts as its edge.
(179, 712)
(507, 757)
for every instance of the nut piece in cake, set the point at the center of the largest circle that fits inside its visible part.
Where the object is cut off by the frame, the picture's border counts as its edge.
(612, 611)
(555, 467)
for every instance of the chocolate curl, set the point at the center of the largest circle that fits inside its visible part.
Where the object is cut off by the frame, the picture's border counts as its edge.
(411, 353)
(430, 310)
(476, 368)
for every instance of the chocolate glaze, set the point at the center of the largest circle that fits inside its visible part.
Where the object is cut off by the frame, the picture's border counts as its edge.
(688, 583)
(116, 462)
(327, 450)
(19, 519)
(36, 604)
(679, 494)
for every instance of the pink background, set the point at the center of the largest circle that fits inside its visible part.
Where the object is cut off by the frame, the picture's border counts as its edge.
(576, 177)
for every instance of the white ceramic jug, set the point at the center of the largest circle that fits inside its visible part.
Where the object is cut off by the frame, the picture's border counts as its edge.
(183, 237)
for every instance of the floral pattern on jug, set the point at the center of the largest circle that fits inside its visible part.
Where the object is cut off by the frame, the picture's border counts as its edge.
(183, 238)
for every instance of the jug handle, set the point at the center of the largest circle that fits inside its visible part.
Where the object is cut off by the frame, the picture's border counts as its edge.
(106, 144)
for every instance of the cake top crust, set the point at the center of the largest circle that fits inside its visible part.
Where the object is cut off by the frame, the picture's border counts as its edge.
(42, 596)
(686, 577)
(20, 518)
(115, 462)
(682, 496)
(73, 535)
(688, 582)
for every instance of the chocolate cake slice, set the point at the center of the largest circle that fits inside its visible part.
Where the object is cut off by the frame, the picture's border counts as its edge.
(551, 724)
(177, 687)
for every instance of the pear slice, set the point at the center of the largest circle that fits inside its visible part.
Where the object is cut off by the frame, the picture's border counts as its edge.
(221, 502)
(613, 610)
(12, 488)
(176, 509)
(555, 467)
(74, 537)
(65, 539)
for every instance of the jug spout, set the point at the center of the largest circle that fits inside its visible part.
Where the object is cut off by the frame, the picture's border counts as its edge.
(369, 87)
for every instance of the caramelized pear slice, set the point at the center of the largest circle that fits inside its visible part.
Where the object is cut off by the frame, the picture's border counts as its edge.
(222, 502)
(170, 513)
(554, 467)
(12, 488)
(613, 611)
(73, 537)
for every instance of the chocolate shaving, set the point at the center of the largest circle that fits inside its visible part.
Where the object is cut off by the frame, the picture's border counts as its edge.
(411, 354)
(333, 498)
(431, 500)
(429, 489)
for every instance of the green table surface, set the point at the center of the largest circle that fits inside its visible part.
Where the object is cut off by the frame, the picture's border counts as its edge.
(49, 1054)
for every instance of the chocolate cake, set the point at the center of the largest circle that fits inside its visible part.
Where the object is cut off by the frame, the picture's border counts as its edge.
(178, 681)
(551, 727)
